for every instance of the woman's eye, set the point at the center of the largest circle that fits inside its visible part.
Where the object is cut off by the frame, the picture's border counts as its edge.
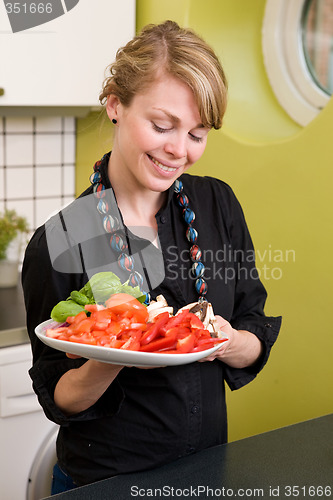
(195, 138)
(160, 129)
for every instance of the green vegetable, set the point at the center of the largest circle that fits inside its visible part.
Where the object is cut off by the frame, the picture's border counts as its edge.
(102, 285)
(135, 291)
(79, 298)
(99, 288)
(65, 308)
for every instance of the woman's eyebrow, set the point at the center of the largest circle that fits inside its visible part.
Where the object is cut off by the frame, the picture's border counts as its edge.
(174, 118)
(169, 115)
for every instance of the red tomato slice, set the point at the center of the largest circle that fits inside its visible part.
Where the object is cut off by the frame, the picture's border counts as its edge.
(195, 322)
(180, 331)
(84, 338)
(161, 343)
(127, 334)
(76, 319)
(86, 325)
(55, 333)
(204, 344)
(131, 344)
(186, 344)
(101, 339)
(201, 333)
(101, 325)
(179, 318)
(121, 303)
(140, 326)
(113, 328)
(160, 321)
(103, 315)
(116, 343)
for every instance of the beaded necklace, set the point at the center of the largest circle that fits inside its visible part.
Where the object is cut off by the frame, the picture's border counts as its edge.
(119, 239)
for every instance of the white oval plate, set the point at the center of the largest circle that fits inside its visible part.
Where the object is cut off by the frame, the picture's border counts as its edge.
(119, 356)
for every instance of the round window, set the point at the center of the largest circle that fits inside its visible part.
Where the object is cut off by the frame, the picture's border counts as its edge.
(317, 37)
(298, 54)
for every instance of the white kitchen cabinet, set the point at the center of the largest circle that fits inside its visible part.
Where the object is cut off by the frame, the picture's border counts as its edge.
(61, 64)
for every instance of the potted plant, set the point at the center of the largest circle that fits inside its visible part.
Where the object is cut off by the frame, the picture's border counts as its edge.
(12, 229)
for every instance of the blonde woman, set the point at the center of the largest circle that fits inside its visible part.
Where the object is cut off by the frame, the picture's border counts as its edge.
(165, 93)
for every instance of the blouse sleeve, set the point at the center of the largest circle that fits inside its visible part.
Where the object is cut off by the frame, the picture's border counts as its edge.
(44, 287)
(249, 294)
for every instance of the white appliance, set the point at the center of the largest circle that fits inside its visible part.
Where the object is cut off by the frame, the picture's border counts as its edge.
(27, 437)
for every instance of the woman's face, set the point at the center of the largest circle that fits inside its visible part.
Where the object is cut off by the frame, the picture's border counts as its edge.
(158, 136)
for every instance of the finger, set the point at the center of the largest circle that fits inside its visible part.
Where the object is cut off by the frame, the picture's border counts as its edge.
(216, 354)
(207, 358)
(221, 321)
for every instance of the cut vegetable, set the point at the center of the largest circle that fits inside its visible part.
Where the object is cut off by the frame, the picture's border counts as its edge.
(125, 323)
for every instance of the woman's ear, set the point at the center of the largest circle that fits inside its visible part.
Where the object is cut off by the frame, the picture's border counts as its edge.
(112, 104)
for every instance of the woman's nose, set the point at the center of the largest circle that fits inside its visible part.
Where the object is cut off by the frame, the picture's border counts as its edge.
(176, 146)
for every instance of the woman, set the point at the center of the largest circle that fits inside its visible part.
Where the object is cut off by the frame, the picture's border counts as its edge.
(165, 92)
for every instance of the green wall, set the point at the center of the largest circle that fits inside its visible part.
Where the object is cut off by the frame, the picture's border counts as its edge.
(282, 175)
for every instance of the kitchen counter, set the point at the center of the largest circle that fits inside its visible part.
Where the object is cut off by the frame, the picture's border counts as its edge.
(294, 461)
(12, 317)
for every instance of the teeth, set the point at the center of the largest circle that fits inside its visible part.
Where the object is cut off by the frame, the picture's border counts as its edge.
(163, 167)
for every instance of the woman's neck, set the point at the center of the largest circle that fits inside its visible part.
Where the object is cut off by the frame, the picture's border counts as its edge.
(138, 206)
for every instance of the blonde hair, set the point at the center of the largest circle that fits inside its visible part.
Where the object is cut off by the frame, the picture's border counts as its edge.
(181, 53)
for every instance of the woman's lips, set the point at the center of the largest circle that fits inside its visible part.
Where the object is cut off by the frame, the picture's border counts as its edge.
(163, 167)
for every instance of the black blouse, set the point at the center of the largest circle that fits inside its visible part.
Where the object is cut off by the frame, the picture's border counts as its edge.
(147, 417)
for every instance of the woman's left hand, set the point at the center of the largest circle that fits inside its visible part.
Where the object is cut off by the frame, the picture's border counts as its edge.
(242, 348)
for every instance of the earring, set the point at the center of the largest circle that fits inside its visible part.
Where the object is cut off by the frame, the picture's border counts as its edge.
(114, 121)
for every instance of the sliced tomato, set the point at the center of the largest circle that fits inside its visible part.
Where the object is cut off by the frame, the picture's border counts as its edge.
(86, 325)
(55, 333)
(134, 333)
(113, 328)
(76, 319)
(70, 319)
(195, 322)
(121, 303)
(140, 326)
(101, 339)
(159, 322)
(161, 343)
(103, 315)
(124, 323)
(178, 319)
(132, 344)
(186, 344)
(204, 344)
(180, 331)
(116, 343)
(101, 325)
(84, 338)
(201, 333)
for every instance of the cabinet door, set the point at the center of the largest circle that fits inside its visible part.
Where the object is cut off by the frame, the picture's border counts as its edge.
(62, 62)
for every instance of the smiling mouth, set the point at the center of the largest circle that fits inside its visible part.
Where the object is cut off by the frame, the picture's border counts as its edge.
(160, 165)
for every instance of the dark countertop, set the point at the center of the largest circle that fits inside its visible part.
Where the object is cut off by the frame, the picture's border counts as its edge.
(294, 461)
(12, 317)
